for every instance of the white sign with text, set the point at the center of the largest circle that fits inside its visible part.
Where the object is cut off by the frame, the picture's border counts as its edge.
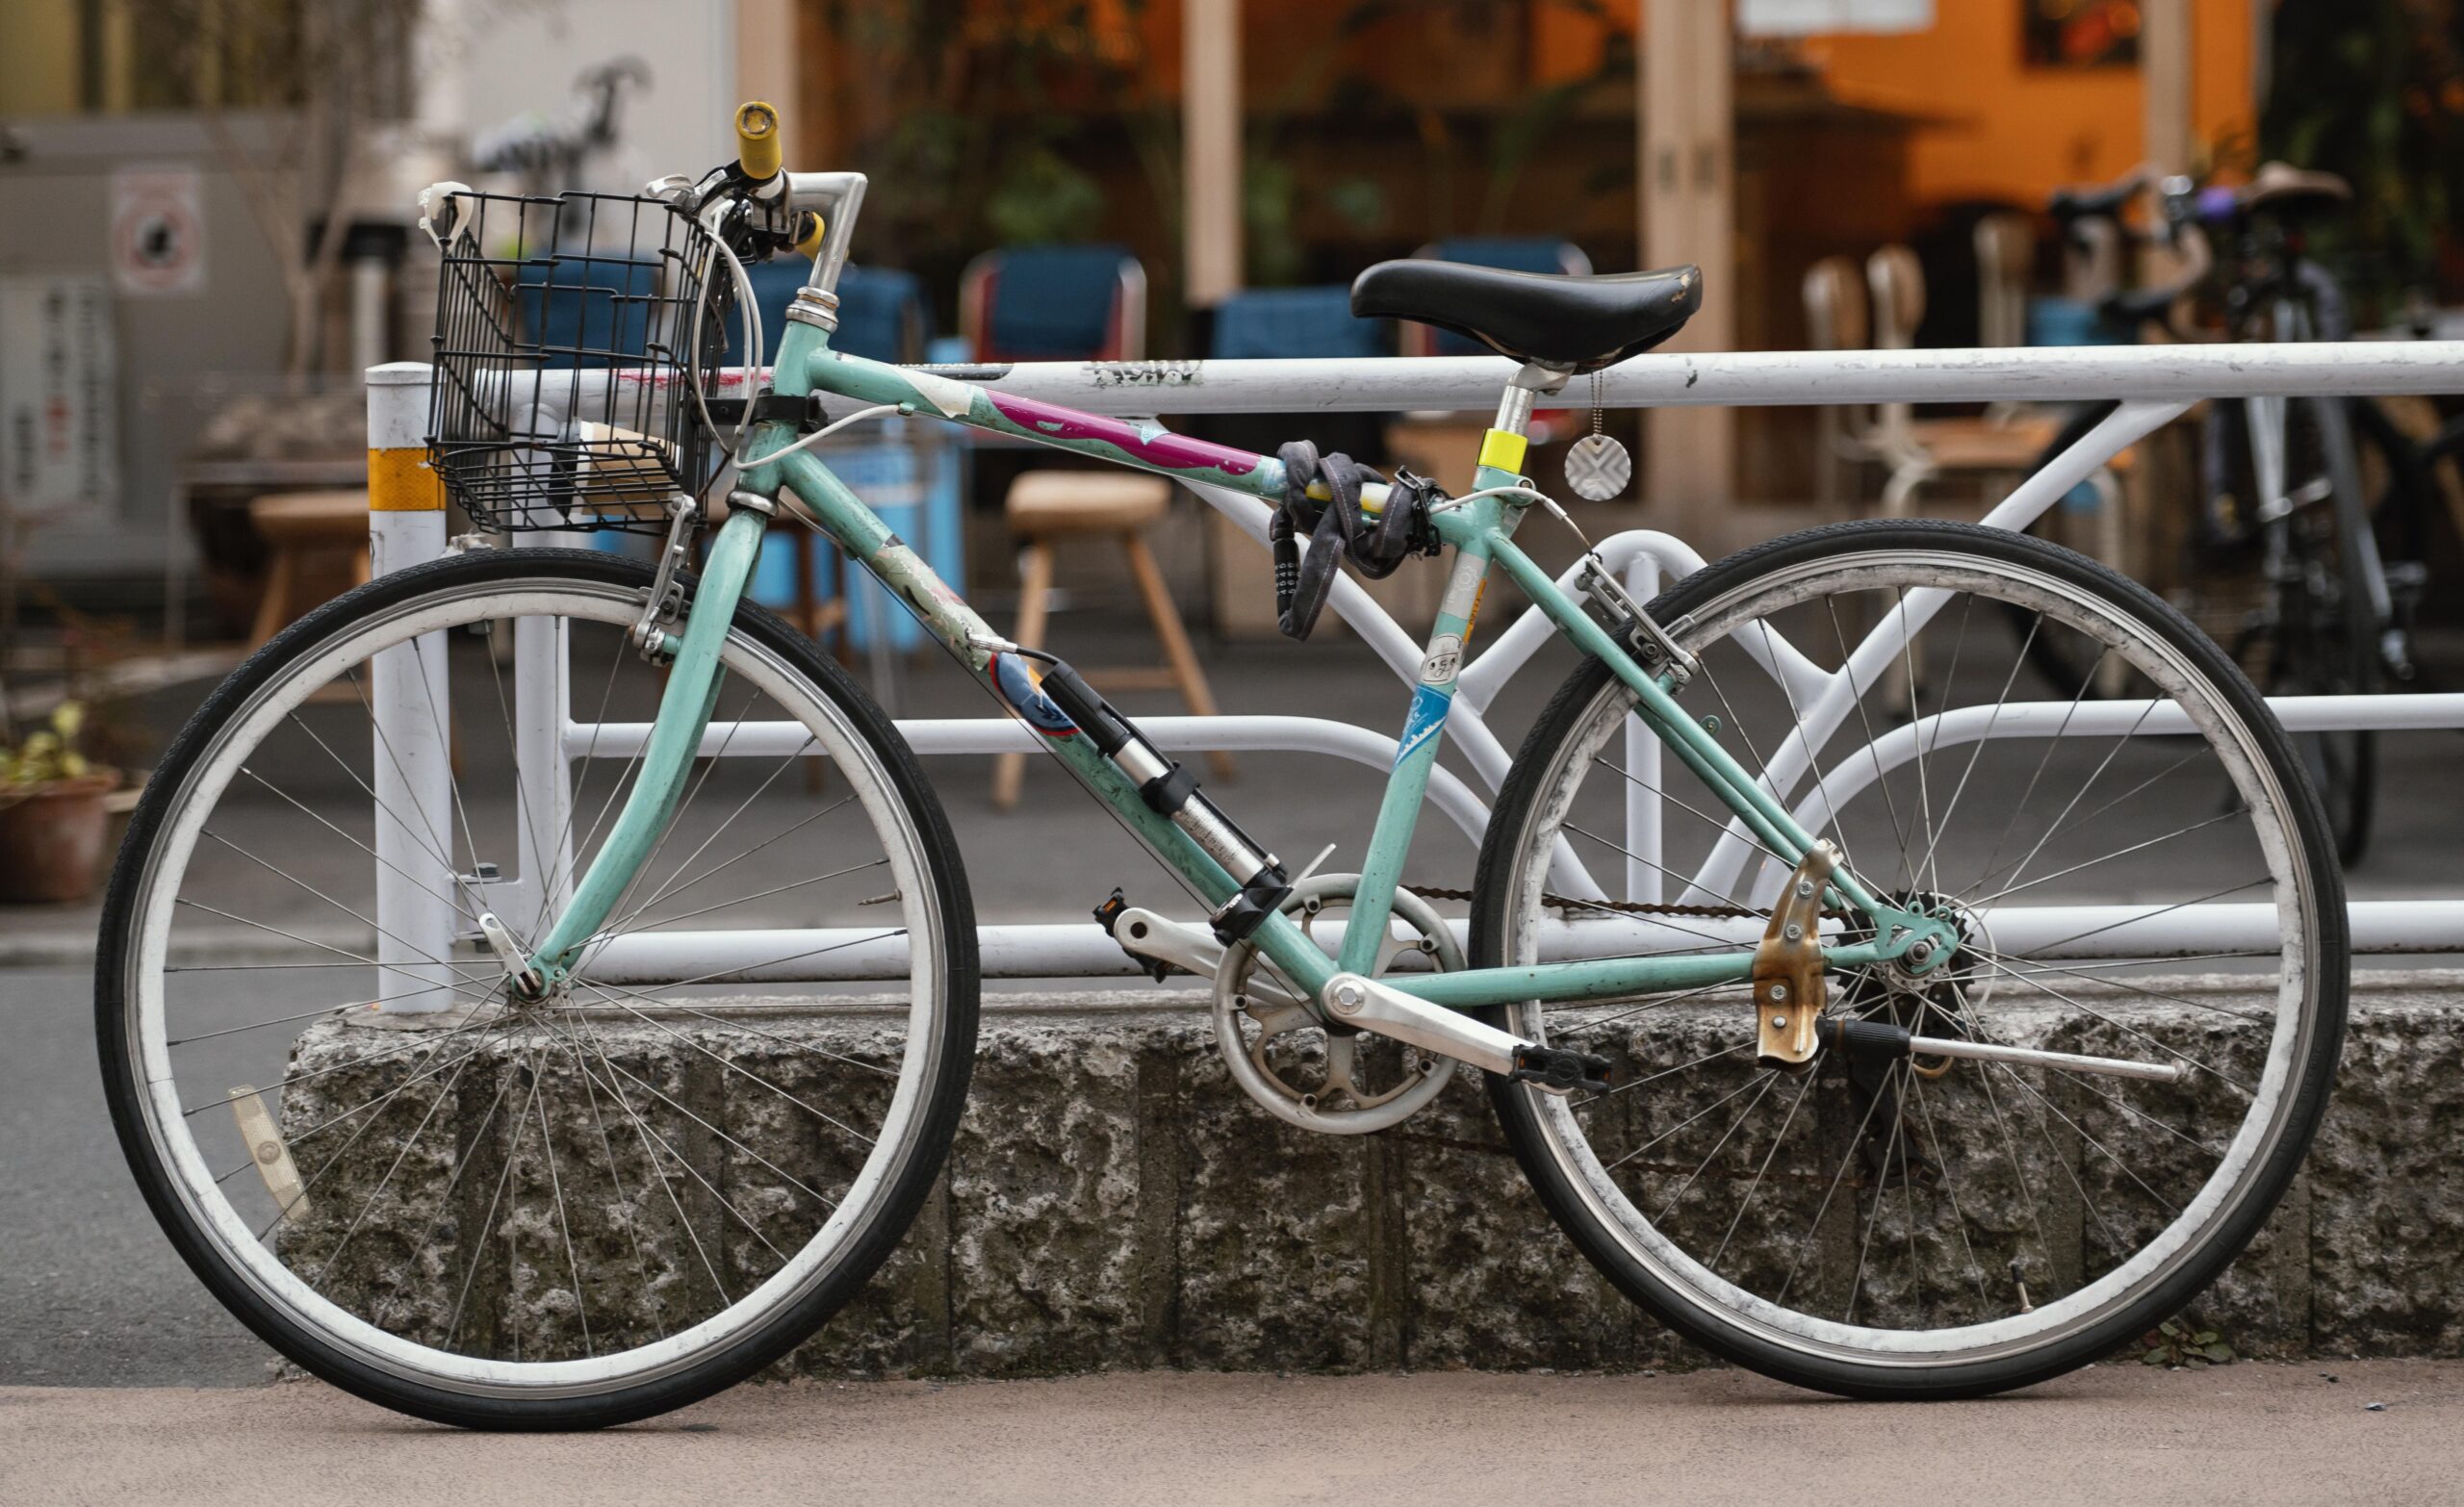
(59, 394)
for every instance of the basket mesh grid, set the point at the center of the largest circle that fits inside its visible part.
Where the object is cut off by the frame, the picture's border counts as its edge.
(565, 328)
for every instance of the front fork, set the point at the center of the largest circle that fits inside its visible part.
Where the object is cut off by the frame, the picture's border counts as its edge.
(685, 711)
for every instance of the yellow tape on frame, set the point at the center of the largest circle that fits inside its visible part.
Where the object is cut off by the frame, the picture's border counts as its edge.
(1505, 451)
(402, 481)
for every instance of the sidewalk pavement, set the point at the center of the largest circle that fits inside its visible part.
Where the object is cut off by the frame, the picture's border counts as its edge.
(2241, 1434)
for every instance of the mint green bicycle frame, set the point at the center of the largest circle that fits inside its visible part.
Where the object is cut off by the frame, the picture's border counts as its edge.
(1479, 531)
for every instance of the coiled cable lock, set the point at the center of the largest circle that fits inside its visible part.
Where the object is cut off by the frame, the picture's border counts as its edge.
(1338, 528)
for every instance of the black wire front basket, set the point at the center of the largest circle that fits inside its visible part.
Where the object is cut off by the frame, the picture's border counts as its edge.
(569, 335)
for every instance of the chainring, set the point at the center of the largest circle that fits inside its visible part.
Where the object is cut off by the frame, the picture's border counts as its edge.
(1303, 1071)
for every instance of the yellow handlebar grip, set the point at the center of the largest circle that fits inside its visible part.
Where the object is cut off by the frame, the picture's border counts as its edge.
(758, 152)
(809, 241)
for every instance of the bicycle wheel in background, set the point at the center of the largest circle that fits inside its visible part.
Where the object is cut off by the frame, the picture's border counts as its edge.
(2319, 634)
(570, 1213)
(2150, 881)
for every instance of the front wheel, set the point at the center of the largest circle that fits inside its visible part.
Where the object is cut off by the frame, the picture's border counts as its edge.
(2148, 879)
(566, 1213)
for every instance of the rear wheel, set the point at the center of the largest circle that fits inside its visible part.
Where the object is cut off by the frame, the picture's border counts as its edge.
(2148, 880)
(571, 1213)
(2319, 634)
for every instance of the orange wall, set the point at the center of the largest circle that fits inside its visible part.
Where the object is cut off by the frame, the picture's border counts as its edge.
(2002, 130)
(2011, 132)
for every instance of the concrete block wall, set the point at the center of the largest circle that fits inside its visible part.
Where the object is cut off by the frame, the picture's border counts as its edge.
(1113, 1202)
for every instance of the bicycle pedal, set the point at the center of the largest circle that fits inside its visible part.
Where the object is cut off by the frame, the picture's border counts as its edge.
(1560, 1070)
(1108, 916)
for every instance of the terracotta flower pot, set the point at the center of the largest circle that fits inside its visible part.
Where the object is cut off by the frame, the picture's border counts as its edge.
(51, 840)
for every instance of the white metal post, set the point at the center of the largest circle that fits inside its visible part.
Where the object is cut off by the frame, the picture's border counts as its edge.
(409, 696)
(1643, 859)
(542, 711)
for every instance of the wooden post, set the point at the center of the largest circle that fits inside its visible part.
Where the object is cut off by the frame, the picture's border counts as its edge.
(1210, 150)
(1684, 70)
(2165, 83)
(766, 54)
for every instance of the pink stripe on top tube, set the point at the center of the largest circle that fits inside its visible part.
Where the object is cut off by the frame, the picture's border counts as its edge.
(1161, 448)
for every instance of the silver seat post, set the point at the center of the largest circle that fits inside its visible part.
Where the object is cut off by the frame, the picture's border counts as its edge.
(1514, 407)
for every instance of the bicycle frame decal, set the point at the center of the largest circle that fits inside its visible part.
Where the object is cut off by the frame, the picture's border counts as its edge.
(1427, 715)
(807, 365)
(1145, 445)
(1016, 682)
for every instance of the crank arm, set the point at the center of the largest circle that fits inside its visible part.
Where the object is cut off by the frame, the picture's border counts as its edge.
(1882, 1039)
(1192, 949)
(1374, 1007)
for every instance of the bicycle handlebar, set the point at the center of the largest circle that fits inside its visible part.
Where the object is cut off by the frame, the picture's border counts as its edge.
(758, 153)
(2176, 226)
(2141, 305)
(2104, 202)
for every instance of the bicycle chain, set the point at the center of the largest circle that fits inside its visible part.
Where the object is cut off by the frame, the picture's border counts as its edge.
(1631, 906)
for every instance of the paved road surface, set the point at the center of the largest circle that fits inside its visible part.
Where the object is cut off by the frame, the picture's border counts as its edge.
(2245, 1434)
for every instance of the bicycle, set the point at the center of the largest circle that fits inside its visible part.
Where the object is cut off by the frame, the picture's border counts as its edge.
(2282, 560)
(1847, 1166)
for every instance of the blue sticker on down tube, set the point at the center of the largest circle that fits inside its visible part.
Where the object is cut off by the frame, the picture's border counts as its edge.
(1429, 714)
(1019, 686)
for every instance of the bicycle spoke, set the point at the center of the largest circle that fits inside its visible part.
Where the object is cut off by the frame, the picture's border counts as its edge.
(746, 805)
(735, 1067)
(1804, 1086)
(1857, 696)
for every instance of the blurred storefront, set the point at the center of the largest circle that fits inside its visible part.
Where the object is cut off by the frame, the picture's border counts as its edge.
(1227, 144)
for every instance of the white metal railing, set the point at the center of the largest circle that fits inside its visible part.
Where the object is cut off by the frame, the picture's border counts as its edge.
(2153, 384)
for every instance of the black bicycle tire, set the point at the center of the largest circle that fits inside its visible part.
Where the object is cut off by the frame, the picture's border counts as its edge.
(1500, 859)
(762, 1343)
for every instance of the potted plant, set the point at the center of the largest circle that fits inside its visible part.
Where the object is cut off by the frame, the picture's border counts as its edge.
(52, 815)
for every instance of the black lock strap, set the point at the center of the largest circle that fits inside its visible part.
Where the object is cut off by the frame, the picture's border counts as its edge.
(1338, 529)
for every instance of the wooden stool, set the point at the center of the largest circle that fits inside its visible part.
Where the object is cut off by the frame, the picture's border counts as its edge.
(1043, 505)
(295, 525)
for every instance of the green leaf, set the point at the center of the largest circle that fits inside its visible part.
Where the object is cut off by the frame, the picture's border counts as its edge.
(2221, 1354)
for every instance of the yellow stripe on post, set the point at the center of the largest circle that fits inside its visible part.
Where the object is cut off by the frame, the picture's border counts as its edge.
(1503, 451)
(403, 482)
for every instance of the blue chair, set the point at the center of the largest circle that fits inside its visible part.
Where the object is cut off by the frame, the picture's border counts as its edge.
(2072, 322)
(881, 314)
(1054, 303)
(1269, 322)
(910, 478)
(1506, 253)
(587, 313)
